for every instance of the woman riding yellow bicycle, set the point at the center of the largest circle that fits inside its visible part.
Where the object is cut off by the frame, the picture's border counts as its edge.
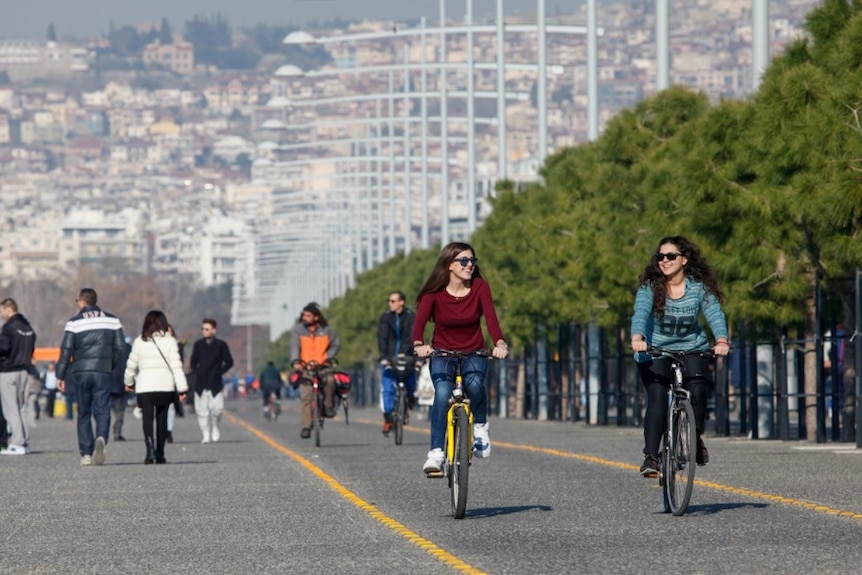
(456, 297)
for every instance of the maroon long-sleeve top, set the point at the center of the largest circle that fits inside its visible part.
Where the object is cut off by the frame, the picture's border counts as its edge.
(457, 320)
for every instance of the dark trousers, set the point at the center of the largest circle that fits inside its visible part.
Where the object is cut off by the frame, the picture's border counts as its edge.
(50, 398)
(154, 405)
(656, 378)
(93, 392)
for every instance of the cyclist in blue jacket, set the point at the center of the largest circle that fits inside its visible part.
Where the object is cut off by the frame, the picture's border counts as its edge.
(676, 287)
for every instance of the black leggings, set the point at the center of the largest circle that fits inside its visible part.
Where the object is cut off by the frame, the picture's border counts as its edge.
(656, 379)
(156, 404)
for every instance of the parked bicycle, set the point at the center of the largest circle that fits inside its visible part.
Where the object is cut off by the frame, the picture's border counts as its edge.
(677, 467)
(458, 446)
(402, 368)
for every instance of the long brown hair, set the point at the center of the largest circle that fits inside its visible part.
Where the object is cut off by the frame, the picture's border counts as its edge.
(696, 268)
(154, 322)
(439, 278)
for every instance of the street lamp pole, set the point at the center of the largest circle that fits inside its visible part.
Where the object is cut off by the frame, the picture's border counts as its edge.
(471, 126)
(444, 131)
(592, 72)
(502, 159)
(541, 91)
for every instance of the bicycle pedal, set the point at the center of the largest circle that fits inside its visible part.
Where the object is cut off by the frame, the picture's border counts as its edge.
(434, 475)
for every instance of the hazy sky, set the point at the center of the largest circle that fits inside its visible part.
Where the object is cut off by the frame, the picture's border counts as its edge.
(30, 18)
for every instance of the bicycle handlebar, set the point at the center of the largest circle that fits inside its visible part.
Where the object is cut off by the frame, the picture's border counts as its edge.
(657, 351)
(461, 354)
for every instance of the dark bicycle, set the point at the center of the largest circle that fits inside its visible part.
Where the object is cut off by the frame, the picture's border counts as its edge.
(402, 368)
(309, 376)
(459, 433)
(680, 437)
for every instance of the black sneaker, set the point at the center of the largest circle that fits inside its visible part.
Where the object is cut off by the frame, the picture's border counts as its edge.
(305, 433)
(328, 412)
(649, 467)
(702, 456)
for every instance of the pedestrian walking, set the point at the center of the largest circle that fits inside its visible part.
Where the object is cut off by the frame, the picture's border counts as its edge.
(92, 346)
(154, 371)
(119, 392)
(49, 384)
(17, 342)
(210, 360)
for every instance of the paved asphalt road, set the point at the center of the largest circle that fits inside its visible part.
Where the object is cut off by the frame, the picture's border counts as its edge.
(554, 498)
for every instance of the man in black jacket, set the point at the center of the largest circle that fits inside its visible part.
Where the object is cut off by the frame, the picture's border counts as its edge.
(394, 337)
(92, 346)
(17, 342)
(210, 360)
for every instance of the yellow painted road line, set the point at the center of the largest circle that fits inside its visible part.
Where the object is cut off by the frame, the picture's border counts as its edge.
(428, 546)
(711, 485)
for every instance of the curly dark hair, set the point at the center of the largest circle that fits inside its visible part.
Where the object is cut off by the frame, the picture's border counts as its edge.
(696, 268)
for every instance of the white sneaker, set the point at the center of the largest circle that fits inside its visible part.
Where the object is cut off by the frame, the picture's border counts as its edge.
(216, 435)
(14, 450)
(99, 453)
(434, 463)
(481, 440)
(206, 438)
(86, 460)
(138, 413)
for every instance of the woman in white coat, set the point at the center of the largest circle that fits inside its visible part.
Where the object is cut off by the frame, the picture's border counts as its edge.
(154, 372)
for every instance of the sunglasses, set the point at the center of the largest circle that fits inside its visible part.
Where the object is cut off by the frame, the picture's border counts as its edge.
(671, 256)
(466, 261)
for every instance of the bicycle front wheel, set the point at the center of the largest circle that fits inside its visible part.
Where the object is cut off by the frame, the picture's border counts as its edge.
(679, 470)
(460, 468)
(398, 420)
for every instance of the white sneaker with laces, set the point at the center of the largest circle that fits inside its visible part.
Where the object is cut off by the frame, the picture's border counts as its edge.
(481, 440)
(14, 450)
(86, 460)
(434, 463)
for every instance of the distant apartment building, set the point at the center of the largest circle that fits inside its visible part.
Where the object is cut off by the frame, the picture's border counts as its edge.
(179, 56)
(113, 243)
(29, 59)
(211, 252)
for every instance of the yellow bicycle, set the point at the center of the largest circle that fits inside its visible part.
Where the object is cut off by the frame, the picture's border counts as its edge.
(459, 433)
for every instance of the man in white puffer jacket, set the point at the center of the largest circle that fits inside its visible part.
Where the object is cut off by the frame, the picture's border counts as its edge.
(155, 372)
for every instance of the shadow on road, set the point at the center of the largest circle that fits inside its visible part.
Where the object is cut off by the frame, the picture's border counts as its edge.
(712, 508)
(495, 511)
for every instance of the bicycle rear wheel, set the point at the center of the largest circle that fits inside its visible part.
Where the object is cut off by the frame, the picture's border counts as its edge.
(398, 420)
(679, 470)
(316, 419)
(344, 401)
(460, 468)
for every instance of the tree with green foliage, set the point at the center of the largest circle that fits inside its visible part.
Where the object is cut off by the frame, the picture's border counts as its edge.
(769, 188)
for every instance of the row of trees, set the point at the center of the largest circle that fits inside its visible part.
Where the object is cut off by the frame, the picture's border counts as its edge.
(768, 187)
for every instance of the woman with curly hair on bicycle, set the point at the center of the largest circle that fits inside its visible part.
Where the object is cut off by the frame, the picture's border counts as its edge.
(456, 297)
(675, 288)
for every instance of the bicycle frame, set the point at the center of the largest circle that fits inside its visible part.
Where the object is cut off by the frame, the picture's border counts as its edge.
(677, 461)
(459, 433)
(401, 369)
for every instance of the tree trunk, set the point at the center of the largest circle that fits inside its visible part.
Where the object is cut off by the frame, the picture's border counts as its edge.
(520, 388)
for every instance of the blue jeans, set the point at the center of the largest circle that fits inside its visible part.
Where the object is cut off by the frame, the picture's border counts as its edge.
(387, 388)
(93, 392)
(443, 375)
